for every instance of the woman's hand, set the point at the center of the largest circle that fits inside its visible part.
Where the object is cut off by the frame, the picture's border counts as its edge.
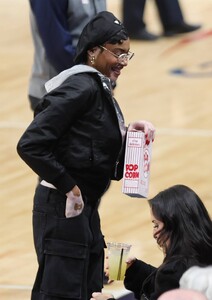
(101, 296)
(74, 203)
(145, 126)
(106, 270)
(130, 261)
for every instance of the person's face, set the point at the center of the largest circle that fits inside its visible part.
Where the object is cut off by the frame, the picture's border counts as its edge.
(106, 60)
(157, 227)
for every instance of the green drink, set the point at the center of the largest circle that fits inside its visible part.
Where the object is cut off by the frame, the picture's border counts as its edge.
(117, 255)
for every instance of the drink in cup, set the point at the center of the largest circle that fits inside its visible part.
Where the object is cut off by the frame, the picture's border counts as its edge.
(117, 255)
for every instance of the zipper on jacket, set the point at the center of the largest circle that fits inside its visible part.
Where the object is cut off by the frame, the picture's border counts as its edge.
(116, 168)
(117, 161)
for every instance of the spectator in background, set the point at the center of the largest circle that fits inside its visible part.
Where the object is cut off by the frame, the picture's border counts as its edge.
(178, 294)
(56, 26)
(199, 279)
(170, 14)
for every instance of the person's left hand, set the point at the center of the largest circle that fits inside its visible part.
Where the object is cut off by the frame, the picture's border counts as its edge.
(101, 296)
(74, 203)
(145, 126)
(106, 270)
(130, 261)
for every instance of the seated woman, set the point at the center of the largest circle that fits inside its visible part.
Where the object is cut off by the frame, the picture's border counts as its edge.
(182, 228)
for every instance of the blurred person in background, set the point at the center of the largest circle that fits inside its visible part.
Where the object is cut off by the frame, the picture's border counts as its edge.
(56, 27)
(199, 279)
(179, 294)
(170, 14)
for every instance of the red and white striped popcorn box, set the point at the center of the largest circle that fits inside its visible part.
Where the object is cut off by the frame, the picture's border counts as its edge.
(136, 165)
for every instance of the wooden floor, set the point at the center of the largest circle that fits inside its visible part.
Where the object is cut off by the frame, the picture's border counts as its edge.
(168, 82)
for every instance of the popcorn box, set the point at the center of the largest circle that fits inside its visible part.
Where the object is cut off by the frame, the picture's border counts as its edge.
(136, 165)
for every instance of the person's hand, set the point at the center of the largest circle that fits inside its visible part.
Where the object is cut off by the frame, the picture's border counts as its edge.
(74, 203)
(106, 270)
(101, 296)
(130, 261)
(145, 126)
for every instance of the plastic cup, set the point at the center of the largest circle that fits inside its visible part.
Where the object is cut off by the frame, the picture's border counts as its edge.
(117, 255)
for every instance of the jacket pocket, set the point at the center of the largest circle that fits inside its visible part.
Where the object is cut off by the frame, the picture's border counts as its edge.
(64, 268)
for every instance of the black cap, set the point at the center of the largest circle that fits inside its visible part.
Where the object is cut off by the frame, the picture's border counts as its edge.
(98, 31)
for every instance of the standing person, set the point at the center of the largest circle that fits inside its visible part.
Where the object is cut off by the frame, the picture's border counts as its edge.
(170, 14)
(56, 27)
(182, 228)
(68, 145)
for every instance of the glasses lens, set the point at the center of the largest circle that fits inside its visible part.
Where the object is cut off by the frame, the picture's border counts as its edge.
(125, 57)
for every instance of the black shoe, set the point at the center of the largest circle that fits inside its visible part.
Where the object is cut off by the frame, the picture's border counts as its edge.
(180, 29)
(143, 35)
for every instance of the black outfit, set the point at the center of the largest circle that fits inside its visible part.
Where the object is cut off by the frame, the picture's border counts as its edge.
(148, 282)
(169, 12)
(75, 139)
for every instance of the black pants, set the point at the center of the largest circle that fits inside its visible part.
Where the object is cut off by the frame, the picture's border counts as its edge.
(133, 14)
(70, 251)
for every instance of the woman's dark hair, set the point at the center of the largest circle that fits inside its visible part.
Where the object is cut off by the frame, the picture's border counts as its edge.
(187, 224)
